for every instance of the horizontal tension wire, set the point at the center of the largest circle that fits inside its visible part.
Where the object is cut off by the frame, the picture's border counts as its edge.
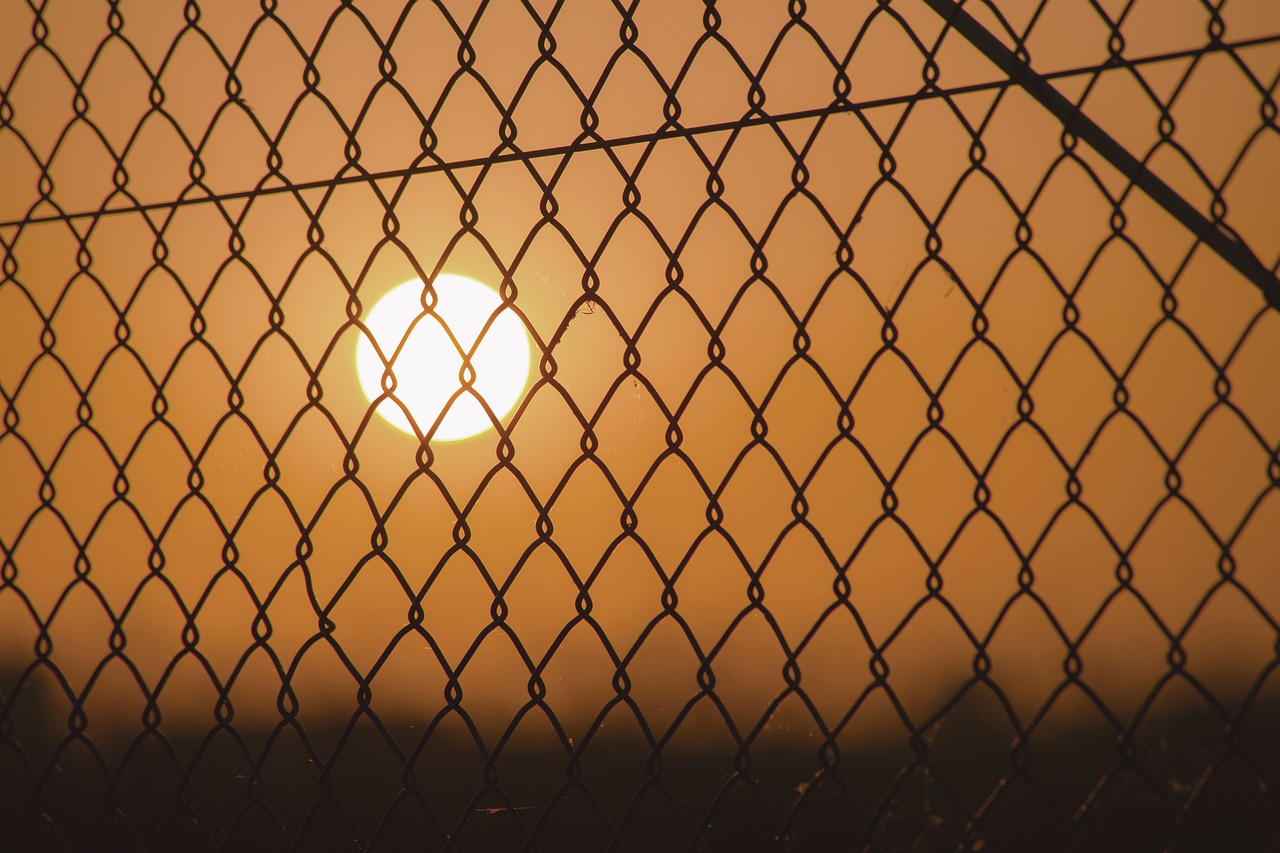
(677, 132)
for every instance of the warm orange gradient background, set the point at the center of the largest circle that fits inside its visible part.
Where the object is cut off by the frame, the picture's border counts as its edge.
(385, 533)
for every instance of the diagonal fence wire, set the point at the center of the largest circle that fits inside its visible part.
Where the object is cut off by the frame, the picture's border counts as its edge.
(1226, 245)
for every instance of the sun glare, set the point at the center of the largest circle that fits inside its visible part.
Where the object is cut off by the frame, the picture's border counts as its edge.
(427, 368)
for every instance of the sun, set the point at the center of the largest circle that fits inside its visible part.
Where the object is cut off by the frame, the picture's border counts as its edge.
(427, 367)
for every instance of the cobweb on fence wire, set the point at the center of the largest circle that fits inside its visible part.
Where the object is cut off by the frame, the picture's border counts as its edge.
(899, 462)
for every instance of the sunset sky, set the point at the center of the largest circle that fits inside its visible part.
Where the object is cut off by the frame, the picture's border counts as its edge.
(751, 253)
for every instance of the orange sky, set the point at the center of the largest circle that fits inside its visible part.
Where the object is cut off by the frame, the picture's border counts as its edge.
(674, 273)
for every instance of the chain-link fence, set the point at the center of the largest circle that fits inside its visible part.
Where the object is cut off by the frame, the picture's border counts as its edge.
(897, 464)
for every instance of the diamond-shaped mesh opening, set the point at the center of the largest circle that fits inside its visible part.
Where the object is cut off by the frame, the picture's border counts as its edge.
(898, 464)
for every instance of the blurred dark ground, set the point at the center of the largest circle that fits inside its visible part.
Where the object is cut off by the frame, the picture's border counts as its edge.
(1183, 781)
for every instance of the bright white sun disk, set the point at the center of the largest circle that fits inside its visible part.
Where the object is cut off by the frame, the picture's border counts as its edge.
(427, 366)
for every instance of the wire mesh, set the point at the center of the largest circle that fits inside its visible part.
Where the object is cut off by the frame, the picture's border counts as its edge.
(897, 471)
